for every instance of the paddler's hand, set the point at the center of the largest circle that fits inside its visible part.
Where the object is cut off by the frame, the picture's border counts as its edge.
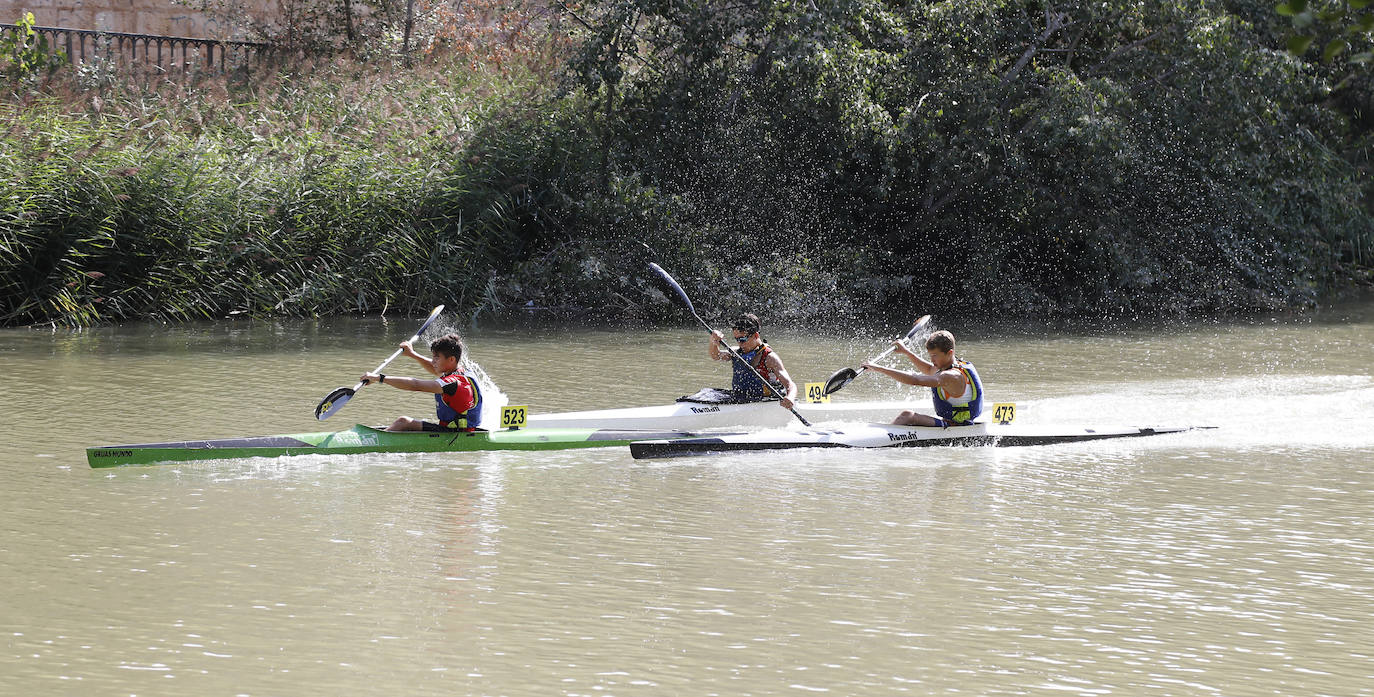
(901, 347)
(714, 348)
(408, 349)
(868, 366)
(369, 378)
(786, 403)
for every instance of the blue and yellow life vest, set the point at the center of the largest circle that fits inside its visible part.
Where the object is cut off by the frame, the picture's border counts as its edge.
(967, 407)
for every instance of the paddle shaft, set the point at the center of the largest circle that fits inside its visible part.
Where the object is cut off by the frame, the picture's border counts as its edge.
(733, 353)
(433, 313)
(876, 358)
(914, 328)
(384, 364)
(336, 399)
(844, 376)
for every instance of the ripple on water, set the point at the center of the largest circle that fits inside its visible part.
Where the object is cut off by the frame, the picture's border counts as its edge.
(1234, 561)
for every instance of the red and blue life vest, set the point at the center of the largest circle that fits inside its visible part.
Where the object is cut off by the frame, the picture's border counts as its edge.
(746, 385)
(459, 406)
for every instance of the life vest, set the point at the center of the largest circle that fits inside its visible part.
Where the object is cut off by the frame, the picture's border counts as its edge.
(746, 384)
(965, 408)
(459, 406)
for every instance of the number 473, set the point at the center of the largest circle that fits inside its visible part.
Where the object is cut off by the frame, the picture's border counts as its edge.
(1004, 413)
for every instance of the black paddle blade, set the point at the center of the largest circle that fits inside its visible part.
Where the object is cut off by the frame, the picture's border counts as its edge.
(673, 284)
(333, 402)
(839, 380)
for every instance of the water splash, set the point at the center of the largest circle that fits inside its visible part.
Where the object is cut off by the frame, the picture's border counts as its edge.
(1332, 411)
(493, 398)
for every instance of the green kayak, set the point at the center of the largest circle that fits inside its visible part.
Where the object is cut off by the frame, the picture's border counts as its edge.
(364, 439)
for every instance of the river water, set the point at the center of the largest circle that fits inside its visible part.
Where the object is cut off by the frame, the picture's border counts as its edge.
(1235, 561)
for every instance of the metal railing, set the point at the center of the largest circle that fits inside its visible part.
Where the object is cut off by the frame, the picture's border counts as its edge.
(149, 51)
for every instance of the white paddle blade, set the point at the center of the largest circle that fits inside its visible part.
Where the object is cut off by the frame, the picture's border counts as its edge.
(920, 323)
(433, 314)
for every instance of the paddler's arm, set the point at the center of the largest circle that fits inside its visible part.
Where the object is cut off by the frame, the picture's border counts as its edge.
(950, 380)
(401, 382)
(775, 366)
(921, 364)
(425, 361)
(903, 377)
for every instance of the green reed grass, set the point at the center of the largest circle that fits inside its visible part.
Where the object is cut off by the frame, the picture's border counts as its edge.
(330, 188)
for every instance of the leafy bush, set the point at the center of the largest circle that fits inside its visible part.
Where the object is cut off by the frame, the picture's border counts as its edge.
(25, 54)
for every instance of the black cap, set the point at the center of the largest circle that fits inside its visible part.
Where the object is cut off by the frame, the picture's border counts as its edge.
(747, 323)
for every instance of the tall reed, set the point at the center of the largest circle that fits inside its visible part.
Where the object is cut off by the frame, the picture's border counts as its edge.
(326, 189)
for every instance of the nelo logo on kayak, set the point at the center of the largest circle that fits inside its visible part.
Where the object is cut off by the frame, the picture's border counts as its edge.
(704, 410)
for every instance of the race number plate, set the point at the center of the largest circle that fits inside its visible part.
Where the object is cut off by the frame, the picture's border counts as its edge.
(815, 393)
(514, 417)
(1004, 413)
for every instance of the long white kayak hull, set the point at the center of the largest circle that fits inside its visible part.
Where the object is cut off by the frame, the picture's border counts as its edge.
(692, 416)
(889, 436)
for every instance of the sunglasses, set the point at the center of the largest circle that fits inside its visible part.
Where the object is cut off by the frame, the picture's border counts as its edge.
(744, 338)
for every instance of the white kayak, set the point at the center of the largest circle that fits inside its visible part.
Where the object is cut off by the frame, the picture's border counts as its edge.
(696, 416)
(889, 436)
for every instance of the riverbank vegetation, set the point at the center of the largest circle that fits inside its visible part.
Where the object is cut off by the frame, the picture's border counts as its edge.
(801, 160)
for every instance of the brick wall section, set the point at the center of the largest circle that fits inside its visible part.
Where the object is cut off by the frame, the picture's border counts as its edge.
(161, 17)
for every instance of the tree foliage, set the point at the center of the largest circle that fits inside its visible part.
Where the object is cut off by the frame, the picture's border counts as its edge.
(1114, 156)
(1336, 28)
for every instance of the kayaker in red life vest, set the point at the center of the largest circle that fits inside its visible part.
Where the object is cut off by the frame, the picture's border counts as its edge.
(762, 357)
(954, 384)
(457, 397)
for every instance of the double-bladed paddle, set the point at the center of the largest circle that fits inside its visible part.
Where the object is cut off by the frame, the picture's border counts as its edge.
(336, 399)
(844, 376)
(681, 294)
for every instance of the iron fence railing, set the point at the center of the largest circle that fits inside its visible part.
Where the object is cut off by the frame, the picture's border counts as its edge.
(149, 50)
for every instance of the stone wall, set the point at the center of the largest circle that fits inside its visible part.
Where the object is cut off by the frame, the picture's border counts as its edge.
(161, 17)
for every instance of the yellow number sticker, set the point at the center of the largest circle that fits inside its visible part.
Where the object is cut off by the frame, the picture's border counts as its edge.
(1004, 413)
(514, 417)
(815, 393)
